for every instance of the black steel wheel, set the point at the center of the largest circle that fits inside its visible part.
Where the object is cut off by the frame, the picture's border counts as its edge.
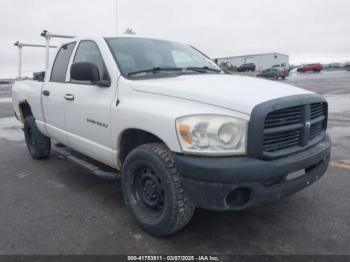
(149, 191)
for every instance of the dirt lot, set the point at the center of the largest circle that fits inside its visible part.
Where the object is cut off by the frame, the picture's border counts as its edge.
(54, 207)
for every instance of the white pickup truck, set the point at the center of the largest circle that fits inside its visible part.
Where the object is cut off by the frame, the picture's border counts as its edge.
(182, 133)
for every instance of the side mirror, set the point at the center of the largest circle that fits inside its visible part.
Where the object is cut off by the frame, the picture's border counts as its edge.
(86, 71)
(39, 76)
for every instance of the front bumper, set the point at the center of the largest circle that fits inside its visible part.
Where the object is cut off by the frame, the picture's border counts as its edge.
(237, 183)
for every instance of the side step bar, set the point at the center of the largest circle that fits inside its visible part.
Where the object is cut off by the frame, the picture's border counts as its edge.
(98, 169)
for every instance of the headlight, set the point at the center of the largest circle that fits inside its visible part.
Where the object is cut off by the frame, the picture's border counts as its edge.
(212, 135)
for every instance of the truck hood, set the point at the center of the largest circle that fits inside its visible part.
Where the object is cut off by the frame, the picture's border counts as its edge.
(238, 93)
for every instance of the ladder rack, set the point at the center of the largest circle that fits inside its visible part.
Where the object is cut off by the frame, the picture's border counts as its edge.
(48, 36)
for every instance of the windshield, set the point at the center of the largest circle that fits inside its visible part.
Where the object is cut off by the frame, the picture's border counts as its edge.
(149, 57)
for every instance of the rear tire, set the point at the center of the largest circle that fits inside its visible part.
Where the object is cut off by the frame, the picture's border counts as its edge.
(39, 146)
(153, 191)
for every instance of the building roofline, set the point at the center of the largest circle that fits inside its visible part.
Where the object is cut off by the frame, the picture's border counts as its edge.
(270, 53)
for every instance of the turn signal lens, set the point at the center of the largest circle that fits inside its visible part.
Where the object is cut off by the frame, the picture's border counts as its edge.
(184, 131)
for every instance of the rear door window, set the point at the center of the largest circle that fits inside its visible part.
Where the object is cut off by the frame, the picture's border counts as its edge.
(59, 69)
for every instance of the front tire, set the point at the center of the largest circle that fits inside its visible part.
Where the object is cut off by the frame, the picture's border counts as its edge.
(153, 191)
(39, 146)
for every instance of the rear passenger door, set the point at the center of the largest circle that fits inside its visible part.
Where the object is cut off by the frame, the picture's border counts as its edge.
(88, 114)
(53, 94)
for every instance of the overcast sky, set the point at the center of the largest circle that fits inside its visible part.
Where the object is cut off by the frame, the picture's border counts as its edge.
(307, 30)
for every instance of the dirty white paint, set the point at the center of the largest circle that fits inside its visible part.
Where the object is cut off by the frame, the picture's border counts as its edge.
(5, 99)
(10, 129)
(338, 103)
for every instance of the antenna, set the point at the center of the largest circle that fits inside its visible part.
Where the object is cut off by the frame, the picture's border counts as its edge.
(116, 18)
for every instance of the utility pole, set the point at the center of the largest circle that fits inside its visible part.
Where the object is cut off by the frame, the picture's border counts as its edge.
(116, 18)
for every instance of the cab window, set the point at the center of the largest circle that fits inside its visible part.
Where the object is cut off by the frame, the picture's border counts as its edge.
(59, 68)
(88, 51)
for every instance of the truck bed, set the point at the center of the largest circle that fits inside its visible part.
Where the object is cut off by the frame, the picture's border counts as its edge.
(27, 91)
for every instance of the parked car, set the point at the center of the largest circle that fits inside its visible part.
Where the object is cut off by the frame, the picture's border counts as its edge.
(326, 67)
(4, 81)
(310, 67)
(282, 66)
(228, 68)
(180, 133)
(335, 65)
(274, 73)
(347, 66)
(246, 67)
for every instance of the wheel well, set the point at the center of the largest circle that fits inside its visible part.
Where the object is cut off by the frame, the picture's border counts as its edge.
(25, 109)
(133, 138)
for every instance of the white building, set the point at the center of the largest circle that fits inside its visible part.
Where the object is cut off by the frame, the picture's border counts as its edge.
(262, 61)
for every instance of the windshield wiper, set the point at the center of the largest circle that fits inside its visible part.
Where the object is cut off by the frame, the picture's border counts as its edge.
(155, 70)
(203, 69)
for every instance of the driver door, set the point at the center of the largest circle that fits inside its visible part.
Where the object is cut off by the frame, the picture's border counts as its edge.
(88, 108)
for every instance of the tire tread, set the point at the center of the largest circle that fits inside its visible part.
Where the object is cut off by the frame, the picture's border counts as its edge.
(42, 144)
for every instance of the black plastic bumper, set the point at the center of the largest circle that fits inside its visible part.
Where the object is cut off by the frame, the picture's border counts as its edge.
(236, 183)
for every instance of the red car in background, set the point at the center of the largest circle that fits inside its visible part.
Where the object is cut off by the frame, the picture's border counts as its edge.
(310, 67)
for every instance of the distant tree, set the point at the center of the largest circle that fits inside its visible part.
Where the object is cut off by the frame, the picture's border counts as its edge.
(129, 31)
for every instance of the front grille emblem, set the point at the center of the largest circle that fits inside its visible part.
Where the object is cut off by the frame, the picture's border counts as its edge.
(308, 124)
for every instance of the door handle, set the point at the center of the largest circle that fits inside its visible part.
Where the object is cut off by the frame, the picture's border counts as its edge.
(46, 93)
(69, 97)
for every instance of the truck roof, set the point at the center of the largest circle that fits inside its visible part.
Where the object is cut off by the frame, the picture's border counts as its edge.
(110, 37)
